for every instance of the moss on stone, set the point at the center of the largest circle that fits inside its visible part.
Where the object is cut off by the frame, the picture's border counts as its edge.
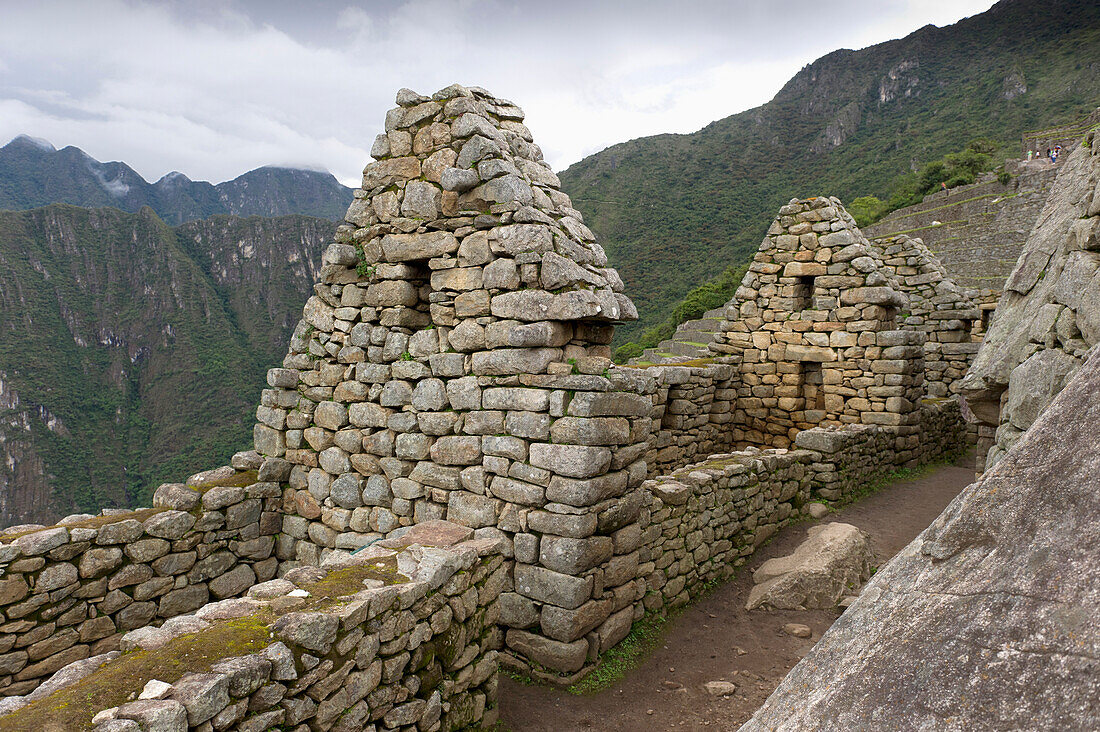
(73, 707)
(92, 523)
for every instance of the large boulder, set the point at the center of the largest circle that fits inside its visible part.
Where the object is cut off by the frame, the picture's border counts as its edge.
(834, 561)
(990, 619)
(1049, 315)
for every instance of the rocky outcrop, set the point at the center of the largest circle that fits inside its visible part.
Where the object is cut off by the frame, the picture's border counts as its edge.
(834, 561)
(1049, 315)
(989, 619)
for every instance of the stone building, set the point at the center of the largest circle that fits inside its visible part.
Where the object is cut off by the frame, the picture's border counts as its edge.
(814, 329)
(452, 364)
(950, 320)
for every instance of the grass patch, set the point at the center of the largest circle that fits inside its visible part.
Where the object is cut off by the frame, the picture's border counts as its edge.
(92, 523)
(616, 663)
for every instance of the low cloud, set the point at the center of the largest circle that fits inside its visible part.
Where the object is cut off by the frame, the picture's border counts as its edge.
(219, 90)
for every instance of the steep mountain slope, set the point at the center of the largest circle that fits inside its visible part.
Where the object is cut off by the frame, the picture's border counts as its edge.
(674, 210)
(33, 174)
(131, 352)
(262, 268)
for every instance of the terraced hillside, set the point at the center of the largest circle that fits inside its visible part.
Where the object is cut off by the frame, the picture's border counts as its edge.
(978, 230)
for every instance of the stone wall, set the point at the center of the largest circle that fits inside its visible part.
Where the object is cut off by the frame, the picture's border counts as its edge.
(701, 522)
(813, 329)
(401, 636)
(950, 320)
(692, 415)
(70, 591)
(1049, 316)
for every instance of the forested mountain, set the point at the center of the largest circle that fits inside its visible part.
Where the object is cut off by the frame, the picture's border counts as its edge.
(676, 210)
(132, 352)
(33, 174)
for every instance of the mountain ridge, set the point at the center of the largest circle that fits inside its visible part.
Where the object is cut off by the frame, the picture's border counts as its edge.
(673, 211)
(33, 173)
(131, 352)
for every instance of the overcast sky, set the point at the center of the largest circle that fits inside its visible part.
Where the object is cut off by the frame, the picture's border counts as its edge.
(214, 89)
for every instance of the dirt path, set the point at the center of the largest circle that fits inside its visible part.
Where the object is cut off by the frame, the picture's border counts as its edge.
(717, 639)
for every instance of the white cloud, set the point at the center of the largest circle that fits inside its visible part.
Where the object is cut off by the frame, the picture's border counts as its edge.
(216, 91)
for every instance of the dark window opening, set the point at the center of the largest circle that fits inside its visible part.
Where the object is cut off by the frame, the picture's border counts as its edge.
(804, 293)
(987, 317)
(813, 386)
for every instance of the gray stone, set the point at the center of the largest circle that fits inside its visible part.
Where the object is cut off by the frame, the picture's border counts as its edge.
(202, 695)
(169, 524)
(457, 179)
(565, 657)
(233, 583)
(311, 630)
(41, 542)
(246, 674)
(98, 562)
(412, 247)
(471, 510)
(822, 569)
(573, 461)
(545, 585)
(162, 715)
(346, 491)
(574, 556)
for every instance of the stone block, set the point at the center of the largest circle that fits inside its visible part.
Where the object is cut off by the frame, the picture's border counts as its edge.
(573, 461)
(574, 556)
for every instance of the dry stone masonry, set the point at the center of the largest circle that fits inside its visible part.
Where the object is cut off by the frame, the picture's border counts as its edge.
(814, 329)
(399, 637)
(948, 317)
(449, 385)
(71, 591)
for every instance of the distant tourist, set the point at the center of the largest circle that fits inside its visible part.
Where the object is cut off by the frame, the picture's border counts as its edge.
(1029, 156)
(943, 186)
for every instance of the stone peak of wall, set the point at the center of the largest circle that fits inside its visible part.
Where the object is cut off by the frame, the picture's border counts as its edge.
(459, 185)
(809, 239)
(921, 275)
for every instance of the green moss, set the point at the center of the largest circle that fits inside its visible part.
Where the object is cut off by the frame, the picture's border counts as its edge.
(91, 523)
(72, 708)
(617, 662)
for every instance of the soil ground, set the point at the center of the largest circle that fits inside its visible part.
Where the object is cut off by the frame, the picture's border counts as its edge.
(716, 639)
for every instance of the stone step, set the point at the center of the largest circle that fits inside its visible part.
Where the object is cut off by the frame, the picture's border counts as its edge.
(708, 325)
(717, 313)
(692, 335)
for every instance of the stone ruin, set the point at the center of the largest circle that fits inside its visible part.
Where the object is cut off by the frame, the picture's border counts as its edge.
(814, 328)
(943, 311)
(448, 419)
(1049, 316)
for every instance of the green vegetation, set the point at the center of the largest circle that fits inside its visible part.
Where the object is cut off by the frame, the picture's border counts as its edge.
(954, 169)
(707, 296)
(72, 708)
(147, 344)
(674, 211)
(617, 662)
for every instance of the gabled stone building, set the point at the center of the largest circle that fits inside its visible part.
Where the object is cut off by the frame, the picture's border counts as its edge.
(814, 329)
(943, 311)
